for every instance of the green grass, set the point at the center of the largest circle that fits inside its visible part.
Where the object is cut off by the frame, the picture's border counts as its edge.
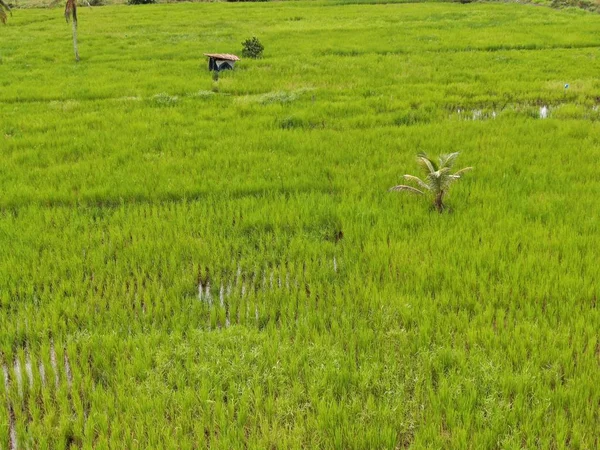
(332, 313)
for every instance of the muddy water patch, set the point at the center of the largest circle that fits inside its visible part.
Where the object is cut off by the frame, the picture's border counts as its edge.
(12, 420)
(18, 376)
(54, 364)
(535, 110)
(68, 370)
(42, 371)
(252, 297)
(29, 368)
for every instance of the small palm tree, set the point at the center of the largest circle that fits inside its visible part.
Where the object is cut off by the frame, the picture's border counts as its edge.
(438, 178)
(4, 9)
(71, 12)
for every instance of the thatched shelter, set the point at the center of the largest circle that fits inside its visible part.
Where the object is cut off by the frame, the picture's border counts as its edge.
(221, 61)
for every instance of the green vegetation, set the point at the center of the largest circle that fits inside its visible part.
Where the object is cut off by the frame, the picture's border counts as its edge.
(187, 263)
(438, 178)
(252, 48)
(140, 2)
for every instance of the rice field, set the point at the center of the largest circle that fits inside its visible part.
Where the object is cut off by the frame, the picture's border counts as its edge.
(191, 263)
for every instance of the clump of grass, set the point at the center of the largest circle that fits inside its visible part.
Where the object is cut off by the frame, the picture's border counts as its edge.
(203, 94)
(291, 122)
(283, 96)
(278, 97)
(164, 99)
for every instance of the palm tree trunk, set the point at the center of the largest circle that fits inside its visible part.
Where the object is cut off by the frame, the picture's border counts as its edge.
(75, 40)
(4, 8)
(439, 204)
(4, 5)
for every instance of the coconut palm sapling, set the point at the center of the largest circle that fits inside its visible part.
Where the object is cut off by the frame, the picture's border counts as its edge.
(438, 178)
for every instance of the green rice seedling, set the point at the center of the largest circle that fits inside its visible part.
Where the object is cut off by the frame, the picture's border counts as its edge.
(115, 207)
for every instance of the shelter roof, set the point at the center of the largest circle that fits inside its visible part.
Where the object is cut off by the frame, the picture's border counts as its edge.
(223, 56)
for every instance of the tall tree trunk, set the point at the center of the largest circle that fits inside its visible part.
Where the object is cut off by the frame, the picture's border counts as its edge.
(75, 40)
(439, 204)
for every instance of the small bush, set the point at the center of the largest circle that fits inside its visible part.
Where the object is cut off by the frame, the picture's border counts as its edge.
(140, 2)
(252, 48)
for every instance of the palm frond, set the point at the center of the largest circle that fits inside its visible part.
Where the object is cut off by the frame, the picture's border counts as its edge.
(438, 180)
(465, 170)
(403, 187)
(4, 8)
(417, 180)
(448, 180)
(427, 164)
(447, 160)
(71, 10)
(434, 182)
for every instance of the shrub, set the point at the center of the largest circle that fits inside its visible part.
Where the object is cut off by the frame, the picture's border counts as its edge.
(252, 48)
(140, 2)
